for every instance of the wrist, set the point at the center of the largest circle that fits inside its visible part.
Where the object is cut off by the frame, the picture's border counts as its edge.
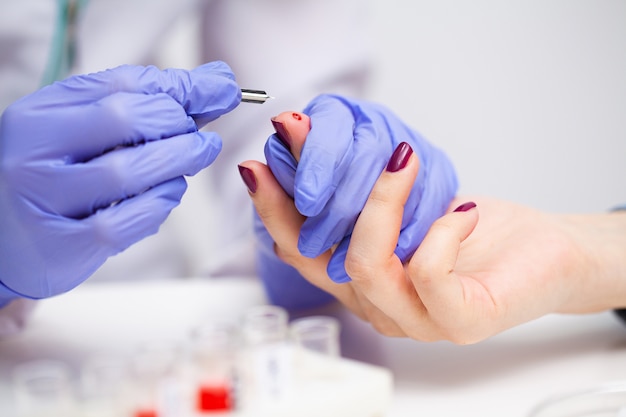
(599, 261)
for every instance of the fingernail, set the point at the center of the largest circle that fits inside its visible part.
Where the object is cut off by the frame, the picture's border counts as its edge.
(247, 175)
(400, 157)
(281, 133)
(466, 206)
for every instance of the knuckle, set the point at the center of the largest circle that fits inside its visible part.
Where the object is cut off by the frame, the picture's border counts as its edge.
(359, 267)
(380, 197)
(422, 264)
(419, 270)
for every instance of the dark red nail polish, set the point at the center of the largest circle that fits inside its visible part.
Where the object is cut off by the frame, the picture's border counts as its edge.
(248, 178)
(400, 157)
(466, 206)
(282, 133)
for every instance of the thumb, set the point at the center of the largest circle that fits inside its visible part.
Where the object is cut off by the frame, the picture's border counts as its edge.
(432, 267)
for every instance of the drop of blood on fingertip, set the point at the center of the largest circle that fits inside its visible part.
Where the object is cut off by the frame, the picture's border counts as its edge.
(296, 116)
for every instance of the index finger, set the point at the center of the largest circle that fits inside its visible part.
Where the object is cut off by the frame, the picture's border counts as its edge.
(370, 261)
(281, 219)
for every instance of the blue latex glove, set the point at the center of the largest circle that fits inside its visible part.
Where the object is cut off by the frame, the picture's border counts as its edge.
(349, 145)
(92, 164)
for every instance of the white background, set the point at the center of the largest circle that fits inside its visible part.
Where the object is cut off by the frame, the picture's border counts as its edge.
(528, 97)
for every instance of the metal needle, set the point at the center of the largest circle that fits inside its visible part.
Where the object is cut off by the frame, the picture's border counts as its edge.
(254, 96)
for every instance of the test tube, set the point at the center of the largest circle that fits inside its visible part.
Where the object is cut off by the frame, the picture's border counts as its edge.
(266, 363)
(212, 354)
(317, 350)
(157, 369)
(44, 388)
(264, 325)
(319, 334)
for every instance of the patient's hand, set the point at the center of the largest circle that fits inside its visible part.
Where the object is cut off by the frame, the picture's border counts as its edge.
(328, 157)
(470, 278)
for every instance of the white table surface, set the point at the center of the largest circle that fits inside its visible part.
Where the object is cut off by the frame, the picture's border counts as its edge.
(504, 376)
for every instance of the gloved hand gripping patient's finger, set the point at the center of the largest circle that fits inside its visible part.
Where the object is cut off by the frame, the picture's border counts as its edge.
(292, 129)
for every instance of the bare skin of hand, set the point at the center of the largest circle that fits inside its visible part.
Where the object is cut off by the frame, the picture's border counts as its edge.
(292, 128)
(471, 277)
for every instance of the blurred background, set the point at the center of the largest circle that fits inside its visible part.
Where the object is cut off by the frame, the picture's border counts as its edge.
(528, 97)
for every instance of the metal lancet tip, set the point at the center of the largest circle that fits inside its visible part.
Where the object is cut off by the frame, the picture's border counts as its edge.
(254, 96)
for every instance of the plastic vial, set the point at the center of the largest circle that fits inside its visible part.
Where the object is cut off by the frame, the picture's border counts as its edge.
(319, 334)
(157, 380)
(266, 363)
(43, 388)
(213, 354)
(265, 325)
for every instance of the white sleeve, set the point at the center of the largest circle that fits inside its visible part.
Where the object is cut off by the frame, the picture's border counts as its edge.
(14, 316)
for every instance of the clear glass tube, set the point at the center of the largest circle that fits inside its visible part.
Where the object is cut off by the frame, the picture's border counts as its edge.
(157, 377)
(266, 364)
(213, 349)
(317, 348)
(265, 324)
(319, 334)
(44, 388)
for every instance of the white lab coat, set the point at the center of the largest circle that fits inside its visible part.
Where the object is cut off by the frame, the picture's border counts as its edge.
(293, 49)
